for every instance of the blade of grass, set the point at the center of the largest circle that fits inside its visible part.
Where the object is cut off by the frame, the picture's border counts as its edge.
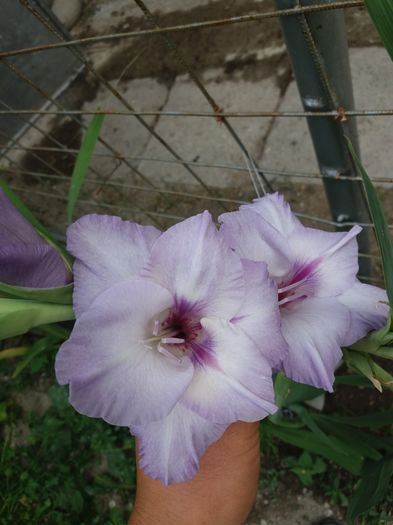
(10, 353)
(381, 12)
(82, 162)
(24, 210)
(380, 224)
(46, 343)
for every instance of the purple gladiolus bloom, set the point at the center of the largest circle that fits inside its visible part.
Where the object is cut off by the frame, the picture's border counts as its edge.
(166, 337)
(26, 259)
(323, 305)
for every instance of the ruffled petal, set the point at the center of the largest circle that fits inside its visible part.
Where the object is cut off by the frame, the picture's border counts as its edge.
(334, 257)
(14, 227)
(111, 371)
(314, 329)
(32, 265)
(259, 316)
(170, 448)
(192, 260)
(276, 211)
(253, 238)
(108, 250)
(368, 310)
(237, 385)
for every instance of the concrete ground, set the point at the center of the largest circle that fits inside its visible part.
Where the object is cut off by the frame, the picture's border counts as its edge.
(244, 67)
(253, 74)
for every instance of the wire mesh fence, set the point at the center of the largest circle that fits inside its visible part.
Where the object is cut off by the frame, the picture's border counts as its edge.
(172, 146)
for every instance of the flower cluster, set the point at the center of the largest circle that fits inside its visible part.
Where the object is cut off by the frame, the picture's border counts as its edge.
(178, 333)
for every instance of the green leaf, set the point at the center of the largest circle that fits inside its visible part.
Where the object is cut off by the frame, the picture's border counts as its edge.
(362, 363)
(377, 215)
(59, 396)
(384, 377)
(305, 467)
(309, 441)
(307, 417)
(82, 162)
(377, 342)
(381, 12)
(23, 209)
(289, 392)
(3, 411)
(360, 442)
(383, 351)
(18, 316)
(43, 344)
(282, 421)
(53, 329)
(352, 380)
(375, 420)
(61, 295)
(373, 486)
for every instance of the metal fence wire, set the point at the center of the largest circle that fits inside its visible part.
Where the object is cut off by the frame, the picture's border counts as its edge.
(140, 169)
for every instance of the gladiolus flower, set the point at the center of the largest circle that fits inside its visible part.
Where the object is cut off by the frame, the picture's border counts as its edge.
(166, 337)
(26, 259)
(323, 306)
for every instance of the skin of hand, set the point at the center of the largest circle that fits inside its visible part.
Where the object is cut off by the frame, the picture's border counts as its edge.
(222, 492)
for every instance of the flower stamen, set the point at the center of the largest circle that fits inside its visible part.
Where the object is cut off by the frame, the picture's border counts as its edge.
(172, 340)
(168, 353)
(156, 327)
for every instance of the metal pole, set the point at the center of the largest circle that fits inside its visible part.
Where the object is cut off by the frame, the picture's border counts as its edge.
(318, 50)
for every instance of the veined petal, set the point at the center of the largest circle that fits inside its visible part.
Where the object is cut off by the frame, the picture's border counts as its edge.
(14, 227)
(253, 238)
(259, 316)
(368, 310)
(276, 211)
(314, 329)
(108, 250)
(238, 386)
(170, 448)
(32, 265)
(192, 260)
(336, 255)
(112, 372)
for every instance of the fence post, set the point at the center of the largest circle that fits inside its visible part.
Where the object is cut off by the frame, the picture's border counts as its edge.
(318, 50)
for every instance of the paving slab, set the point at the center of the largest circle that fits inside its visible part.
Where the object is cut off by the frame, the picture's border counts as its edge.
(125, 133)
(204, 139)
(289, 145)
(372, 71)
(102, 14)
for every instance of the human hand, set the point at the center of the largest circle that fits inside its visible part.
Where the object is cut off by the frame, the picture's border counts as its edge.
(222, 492)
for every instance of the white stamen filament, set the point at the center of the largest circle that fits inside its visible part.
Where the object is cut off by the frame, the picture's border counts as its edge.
(168, 353)
(285, 300)
(156, 327)
(172, 340)
(293, 285)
